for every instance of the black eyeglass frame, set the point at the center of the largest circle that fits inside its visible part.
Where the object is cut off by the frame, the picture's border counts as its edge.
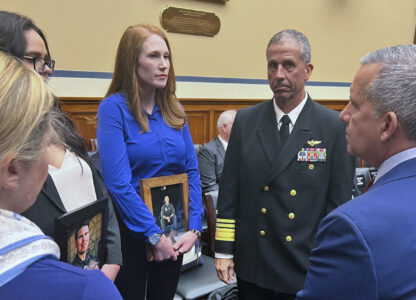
(44, 62)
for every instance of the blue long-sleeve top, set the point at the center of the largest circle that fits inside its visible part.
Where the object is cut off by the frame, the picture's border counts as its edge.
(127, 155)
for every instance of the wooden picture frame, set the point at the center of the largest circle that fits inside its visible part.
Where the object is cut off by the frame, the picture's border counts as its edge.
(83, 230)
(154, 191)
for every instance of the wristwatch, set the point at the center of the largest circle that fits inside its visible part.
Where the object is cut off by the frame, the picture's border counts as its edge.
(197, 232)
(154, 239)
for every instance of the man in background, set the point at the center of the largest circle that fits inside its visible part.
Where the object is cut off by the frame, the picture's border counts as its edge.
(366, 249)
(286, 167)
(211, 155)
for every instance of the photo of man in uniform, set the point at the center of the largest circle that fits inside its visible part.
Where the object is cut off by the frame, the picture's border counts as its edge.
(83, 258)
(167, 216)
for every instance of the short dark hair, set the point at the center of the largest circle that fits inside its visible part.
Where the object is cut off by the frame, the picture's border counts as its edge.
(12, 33)
(85, 223)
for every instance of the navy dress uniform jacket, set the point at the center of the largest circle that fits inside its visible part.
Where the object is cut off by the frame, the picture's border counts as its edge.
(275, 202)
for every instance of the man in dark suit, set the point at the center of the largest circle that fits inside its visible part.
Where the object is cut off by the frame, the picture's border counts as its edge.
(285, 168)
(211, 155)
(366, 249)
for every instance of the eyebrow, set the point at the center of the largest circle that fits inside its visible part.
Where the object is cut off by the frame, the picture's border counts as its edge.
(35, 54)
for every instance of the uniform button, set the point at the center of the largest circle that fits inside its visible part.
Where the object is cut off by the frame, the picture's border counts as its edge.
(263, 210)
(266, 188)
(288, 238)
(311, 167)
(291, 216)
(262, 232)
(293, 193)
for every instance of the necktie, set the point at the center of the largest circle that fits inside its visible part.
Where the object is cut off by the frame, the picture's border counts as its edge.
(369, 185)
(284, 128)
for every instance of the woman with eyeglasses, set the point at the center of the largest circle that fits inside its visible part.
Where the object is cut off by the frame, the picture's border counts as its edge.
(22, 38)
(29, 266)
(142, 133)
(67, 156)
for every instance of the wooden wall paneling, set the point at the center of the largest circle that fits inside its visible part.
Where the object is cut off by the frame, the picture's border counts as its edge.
(202, 113)
(198, 125)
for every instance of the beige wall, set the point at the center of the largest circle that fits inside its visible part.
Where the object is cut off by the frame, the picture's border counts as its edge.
(83, 34)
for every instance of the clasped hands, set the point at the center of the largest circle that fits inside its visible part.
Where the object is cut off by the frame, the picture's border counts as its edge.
(165, 250)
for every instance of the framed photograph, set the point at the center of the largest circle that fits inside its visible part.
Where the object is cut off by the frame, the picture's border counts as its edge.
(81, 235)
(167, 199)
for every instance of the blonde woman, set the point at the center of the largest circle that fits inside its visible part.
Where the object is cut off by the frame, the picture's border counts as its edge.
(29, 266)
(142, 133)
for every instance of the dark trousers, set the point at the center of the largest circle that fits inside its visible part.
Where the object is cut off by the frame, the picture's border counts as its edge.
(138, 277)
(249, 291)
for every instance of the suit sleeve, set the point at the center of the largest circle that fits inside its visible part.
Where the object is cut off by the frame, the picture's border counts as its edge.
(206, 160)
(229, 193)
(196, 211)
(342, 265)
(342, 172)
(113, 244)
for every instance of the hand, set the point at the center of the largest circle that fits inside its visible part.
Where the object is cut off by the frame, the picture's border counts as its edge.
(225, 269)
(185, 242)
(111, 271)
(164, 250)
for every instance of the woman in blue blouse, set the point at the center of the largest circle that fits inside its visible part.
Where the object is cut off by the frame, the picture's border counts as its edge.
(142, 133)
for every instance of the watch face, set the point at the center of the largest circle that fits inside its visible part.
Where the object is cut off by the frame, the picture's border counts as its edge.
(154, 239)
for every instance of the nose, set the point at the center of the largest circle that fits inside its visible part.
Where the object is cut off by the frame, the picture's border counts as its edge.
(345, 115)
(46, 73)
(280, 72)
(163, 63)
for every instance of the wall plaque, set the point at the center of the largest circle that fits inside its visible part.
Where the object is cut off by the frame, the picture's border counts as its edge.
(188, 21)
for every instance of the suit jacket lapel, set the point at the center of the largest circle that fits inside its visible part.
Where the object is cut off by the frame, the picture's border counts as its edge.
(220, 147)
(297, 138)
(268, 133)
(49, 189)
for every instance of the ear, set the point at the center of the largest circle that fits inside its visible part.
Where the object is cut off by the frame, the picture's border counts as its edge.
(389, 126)
(9, 173)
(308, 71)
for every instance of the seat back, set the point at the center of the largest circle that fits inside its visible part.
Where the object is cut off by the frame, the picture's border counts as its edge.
(210, 204)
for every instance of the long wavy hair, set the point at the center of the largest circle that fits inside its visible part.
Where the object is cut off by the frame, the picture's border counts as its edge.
(125, 78)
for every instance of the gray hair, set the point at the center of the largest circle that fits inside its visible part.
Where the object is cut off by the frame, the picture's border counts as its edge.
(226, 117)
(296, 36)
(394, 89)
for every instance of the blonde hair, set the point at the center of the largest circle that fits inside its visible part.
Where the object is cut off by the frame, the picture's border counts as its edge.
(24, 110)
(125, 78)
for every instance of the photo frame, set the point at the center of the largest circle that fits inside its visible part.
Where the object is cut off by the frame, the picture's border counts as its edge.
(81, 235)
(167, 198)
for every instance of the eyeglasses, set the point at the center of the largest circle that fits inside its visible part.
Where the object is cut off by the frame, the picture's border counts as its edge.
(40, 63)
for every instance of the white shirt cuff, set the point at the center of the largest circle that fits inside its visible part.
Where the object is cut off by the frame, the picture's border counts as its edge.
(223, 255)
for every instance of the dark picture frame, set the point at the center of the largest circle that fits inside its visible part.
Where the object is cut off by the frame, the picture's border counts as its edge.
(154, 191)
(87, 221)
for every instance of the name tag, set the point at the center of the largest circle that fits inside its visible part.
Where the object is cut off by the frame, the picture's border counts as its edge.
(312, 154)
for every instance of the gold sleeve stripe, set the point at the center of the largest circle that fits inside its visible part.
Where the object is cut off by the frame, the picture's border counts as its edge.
(225, 225)
(223, 234)
(226, 220)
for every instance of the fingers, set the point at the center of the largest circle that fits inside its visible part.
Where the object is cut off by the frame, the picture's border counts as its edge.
(225, 270)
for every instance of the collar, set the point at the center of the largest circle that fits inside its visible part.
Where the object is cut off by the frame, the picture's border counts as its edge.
(293, 114)
(223, 143)
(395, 160)
(21, 244)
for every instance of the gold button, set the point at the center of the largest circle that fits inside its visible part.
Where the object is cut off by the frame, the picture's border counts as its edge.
(216, 211)
(262, 232)
(311, 167)
(291, 215)
(266, 188)
(263, 210)
(293, 193)
(288, 238)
